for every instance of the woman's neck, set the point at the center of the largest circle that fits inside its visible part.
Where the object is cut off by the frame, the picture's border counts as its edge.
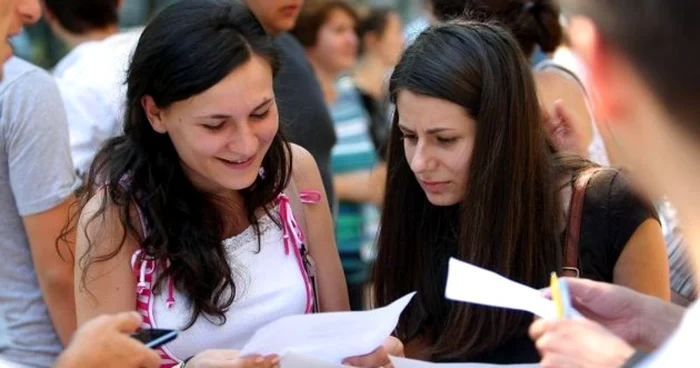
(326, 80)
(370, 76)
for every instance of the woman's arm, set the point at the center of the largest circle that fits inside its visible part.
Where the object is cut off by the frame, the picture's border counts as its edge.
(361, 186)
(110, 286)
(643, 263)
(332, 290)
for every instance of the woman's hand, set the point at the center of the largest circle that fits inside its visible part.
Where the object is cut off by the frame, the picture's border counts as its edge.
(231, 359)
(562, 130)
(380, 357)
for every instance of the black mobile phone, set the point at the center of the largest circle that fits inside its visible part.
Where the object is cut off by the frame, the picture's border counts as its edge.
(154, 338)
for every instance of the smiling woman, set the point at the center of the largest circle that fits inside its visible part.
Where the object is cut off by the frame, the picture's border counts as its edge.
(186, 216)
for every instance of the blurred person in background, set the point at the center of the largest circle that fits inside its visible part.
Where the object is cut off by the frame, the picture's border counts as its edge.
(648, 98)
(91, 76)
(303, 113)
(326, 29)
(381, 44)
(37, 181)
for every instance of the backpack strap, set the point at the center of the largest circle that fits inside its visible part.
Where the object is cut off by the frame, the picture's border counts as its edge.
(296, 201)
(573, 227)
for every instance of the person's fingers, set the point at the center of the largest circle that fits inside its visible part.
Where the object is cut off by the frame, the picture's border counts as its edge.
(394, 346)
(254, 361)
(127, 322)
(149, 358)
(561, 113)
(583, 291)
(377, 358)
(554, 361)
(135, 351)
(538, 328)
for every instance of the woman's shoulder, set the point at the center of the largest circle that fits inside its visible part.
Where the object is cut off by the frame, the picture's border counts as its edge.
(303, 163)
(613, 209)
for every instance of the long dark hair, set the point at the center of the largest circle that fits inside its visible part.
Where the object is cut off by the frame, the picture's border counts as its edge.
(510, 217)
(186, 49)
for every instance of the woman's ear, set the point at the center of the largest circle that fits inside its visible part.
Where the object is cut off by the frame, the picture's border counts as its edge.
(154, 114)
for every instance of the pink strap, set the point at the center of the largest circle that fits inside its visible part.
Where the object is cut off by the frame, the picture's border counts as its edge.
(293, 238)
(310, 196)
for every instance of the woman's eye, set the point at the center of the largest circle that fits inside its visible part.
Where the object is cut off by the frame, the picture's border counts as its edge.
(214, 127)
(447, 140)
(260, 116)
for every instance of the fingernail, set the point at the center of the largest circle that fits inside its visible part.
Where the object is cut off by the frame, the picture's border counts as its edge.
(259, 360)
(276, 360)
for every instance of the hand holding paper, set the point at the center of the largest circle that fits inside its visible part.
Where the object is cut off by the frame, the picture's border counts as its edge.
(468, 283)
(330, 337)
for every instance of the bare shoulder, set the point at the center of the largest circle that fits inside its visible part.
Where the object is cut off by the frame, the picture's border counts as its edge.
(305, 171)
(549, 80)
(101, 224)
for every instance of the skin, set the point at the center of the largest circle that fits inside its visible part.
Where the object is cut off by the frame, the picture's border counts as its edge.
(276, 16)
(646, 139)
(336, 45)
(438, 138)
(104, 342)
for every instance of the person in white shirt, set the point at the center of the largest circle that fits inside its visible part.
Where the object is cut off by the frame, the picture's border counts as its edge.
(649, 98)
(92, 76)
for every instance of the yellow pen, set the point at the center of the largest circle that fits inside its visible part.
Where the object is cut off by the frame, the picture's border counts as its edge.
(556, 294)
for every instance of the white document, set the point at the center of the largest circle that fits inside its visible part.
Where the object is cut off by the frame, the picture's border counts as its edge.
(292, 360)
(409, 363)
(329, 337)
(472, 284)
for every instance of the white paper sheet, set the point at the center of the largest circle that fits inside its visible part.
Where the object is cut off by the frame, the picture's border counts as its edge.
(409, 363)
(292, 360)
(329, 337)
(472, 284)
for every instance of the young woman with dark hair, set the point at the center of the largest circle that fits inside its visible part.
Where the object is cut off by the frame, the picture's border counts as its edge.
(193, 216)
(474, 177)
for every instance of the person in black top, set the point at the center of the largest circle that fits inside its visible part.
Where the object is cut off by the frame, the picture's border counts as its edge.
(473, 176)
(303, 113)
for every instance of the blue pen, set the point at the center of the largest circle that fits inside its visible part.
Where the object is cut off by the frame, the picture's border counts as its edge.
(565, 299)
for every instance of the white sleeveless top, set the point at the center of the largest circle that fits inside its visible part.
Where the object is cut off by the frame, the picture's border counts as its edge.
(270, 278)
(269, 286)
